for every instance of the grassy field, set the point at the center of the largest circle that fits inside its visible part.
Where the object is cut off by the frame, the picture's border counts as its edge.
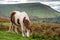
(40, 31)
(4, 35)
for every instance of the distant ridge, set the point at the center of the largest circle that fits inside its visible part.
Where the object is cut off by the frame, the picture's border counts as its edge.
(33, 9)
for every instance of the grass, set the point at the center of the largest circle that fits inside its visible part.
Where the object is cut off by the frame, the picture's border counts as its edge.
(4, 35)
(6, 24)
(40, 31)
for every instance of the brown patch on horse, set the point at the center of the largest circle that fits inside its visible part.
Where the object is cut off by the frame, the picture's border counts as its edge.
(26, 23)
(13, 17)
(18, 21)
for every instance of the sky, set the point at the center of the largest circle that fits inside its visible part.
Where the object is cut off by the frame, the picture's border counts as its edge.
(55, 4)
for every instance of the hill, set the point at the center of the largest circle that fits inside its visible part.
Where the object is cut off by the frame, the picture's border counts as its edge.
(34, 10)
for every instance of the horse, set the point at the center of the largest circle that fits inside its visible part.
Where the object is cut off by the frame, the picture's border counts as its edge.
(21, 19)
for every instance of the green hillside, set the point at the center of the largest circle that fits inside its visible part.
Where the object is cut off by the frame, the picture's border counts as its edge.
(33, 9)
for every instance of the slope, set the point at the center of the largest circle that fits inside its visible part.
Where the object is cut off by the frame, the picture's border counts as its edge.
(33, 9)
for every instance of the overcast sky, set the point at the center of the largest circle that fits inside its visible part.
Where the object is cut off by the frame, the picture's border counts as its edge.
(45, 0)
(55, 4)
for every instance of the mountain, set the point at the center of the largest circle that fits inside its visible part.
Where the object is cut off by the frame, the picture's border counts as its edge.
(34, 10)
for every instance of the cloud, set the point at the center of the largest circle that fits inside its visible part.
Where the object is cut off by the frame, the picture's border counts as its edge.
(43, 0)
(13, 1)
(53, 4)
(21, 1)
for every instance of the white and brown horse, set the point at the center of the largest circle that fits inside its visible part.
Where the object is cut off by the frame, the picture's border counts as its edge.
(20, 18)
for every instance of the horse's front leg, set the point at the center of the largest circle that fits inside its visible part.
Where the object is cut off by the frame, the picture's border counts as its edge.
(28, 33)
(23, 31)
(16, 29)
